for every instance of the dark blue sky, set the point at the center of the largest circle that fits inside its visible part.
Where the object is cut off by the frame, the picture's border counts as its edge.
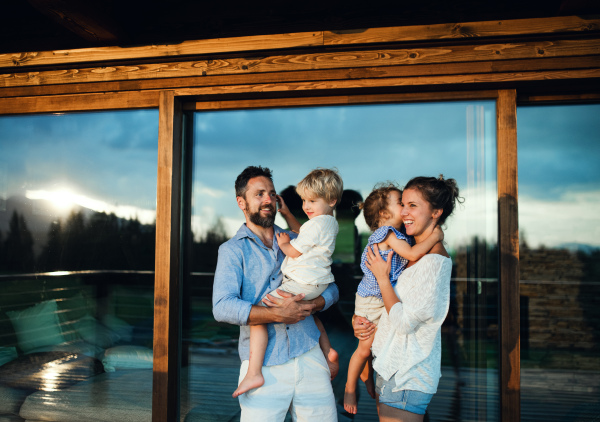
(111, 156)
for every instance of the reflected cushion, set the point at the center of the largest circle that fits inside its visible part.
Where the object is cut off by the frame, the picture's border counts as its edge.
(89, 329)
(37, 326)
(48, 371)
(127, 357)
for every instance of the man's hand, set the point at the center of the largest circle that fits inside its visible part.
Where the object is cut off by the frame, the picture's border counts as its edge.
(289, 309)
(363, 328)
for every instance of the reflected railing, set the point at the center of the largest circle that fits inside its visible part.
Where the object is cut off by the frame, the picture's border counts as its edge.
(75, 343)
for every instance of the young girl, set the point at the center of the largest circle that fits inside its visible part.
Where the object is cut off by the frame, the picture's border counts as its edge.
(307, 266)
(382, 210)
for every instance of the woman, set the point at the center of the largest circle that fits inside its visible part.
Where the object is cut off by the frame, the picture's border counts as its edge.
(407, 344)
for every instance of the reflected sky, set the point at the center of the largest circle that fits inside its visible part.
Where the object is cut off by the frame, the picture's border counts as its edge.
(559, 174)
(367, 144)
(105, 161)
(108, 159)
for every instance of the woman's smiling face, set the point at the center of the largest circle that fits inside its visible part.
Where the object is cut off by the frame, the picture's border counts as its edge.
(417, 213)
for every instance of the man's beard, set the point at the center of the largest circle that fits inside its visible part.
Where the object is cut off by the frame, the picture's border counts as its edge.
(264, 222)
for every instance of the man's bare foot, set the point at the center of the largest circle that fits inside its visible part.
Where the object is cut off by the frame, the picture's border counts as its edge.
(350, 404)
(370, 384)
(333, 361)
(248, 383)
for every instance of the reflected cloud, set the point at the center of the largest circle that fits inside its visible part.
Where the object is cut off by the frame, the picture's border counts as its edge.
(572, 218)
(65, 200)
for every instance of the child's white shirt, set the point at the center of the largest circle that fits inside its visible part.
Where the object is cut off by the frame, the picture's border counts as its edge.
(316, 242)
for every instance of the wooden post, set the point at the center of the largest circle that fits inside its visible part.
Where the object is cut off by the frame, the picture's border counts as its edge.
(167, 294)
(510, 356)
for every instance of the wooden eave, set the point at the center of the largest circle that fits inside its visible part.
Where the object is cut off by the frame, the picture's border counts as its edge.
(473, 55)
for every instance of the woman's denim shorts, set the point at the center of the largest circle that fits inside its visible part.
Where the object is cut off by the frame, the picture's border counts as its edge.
(409, 400)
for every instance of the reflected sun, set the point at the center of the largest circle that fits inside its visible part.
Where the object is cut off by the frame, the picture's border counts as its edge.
(62, 199)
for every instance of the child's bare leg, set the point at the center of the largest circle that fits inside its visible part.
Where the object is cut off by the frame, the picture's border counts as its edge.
(258, 346)
(331, 356)
(367, 377)
(357, 362)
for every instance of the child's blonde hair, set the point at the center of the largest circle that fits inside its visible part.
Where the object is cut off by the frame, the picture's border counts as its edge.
(374, 207)
(322, 183)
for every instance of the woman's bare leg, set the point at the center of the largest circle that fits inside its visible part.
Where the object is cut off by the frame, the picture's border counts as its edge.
(391, 414)
(259, 340)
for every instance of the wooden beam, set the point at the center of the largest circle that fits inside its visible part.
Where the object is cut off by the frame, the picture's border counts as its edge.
(508, 229)
(565, 49)
(559, 98)
(482, 30)
(506, 28)
(83, 102)
(394, 82)
(340, 100)
(168, 290)
(186, 48)
(505, 66)
(86, 19)
(149, 98)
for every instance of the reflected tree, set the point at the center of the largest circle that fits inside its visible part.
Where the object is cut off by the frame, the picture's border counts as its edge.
(50, 258)
(18, 246)
(206, 250)
(102, 242)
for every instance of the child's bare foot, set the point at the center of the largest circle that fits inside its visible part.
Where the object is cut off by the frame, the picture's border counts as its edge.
(333, 361)
(248, 383)
(350, 404)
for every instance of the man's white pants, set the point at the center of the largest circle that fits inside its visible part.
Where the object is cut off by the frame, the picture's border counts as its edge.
(302, 385)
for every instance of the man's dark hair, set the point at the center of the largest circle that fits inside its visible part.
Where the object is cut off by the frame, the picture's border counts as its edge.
(241, 182)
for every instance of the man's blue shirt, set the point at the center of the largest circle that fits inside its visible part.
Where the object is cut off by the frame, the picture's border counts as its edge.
(246, 271)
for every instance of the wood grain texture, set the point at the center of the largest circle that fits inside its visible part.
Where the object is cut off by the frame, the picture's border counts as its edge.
(325, 60)
(506, 28)
(197, 47)
(475, 80)
(508, 229)
(83, 102)
(167, 293)
(341, 100)
(466, 68)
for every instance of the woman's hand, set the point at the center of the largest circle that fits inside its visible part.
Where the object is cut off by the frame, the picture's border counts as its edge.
(363, 328)
(378, 266)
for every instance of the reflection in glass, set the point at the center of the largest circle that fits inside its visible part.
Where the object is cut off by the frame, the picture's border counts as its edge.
(77, 230)
(367, 144)
(559, 220)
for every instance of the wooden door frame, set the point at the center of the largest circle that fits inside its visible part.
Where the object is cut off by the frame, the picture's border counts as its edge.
(508, 239)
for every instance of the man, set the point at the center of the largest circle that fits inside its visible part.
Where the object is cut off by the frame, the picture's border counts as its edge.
(296, 373)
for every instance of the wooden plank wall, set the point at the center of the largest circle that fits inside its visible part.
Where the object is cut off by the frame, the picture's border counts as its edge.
(555, 59)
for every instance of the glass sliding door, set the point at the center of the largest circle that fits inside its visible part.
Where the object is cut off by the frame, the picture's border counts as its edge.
(559, 221)
(77, 235)
(368, 144)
